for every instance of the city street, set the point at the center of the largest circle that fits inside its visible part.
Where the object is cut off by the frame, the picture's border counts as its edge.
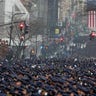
(47, 47)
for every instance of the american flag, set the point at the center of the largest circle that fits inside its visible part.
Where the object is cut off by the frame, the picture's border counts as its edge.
(91, 19)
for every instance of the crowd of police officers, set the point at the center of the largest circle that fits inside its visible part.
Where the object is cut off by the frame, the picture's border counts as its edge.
(75, 76)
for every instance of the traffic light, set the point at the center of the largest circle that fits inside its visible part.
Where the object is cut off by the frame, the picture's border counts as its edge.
(32, 51)
(22, 37)
(61, 39)
(24, 27)
(92, 35)
(41, 47)
(21, 26)
(26, 30)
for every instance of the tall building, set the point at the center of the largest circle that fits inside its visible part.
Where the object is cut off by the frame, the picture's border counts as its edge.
(47, 13)
(69, 5)
(63, 8)
(1, 14)
(52, 16)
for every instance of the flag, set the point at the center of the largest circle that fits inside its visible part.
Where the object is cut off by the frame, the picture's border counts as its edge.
(91, 19)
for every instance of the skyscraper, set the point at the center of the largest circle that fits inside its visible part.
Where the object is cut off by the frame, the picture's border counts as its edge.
(1, 17)
(52, 15)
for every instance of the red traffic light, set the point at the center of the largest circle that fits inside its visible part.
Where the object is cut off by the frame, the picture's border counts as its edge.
(92, 35)
(22, 38)
(61, 39)
(21, 25)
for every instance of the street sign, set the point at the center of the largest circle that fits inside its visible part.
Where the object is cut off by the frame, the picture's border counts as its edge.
(57, 31)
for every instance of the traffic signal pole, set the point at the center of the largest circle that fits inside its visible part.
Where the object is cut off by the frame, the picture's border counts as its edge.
(11, 27)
